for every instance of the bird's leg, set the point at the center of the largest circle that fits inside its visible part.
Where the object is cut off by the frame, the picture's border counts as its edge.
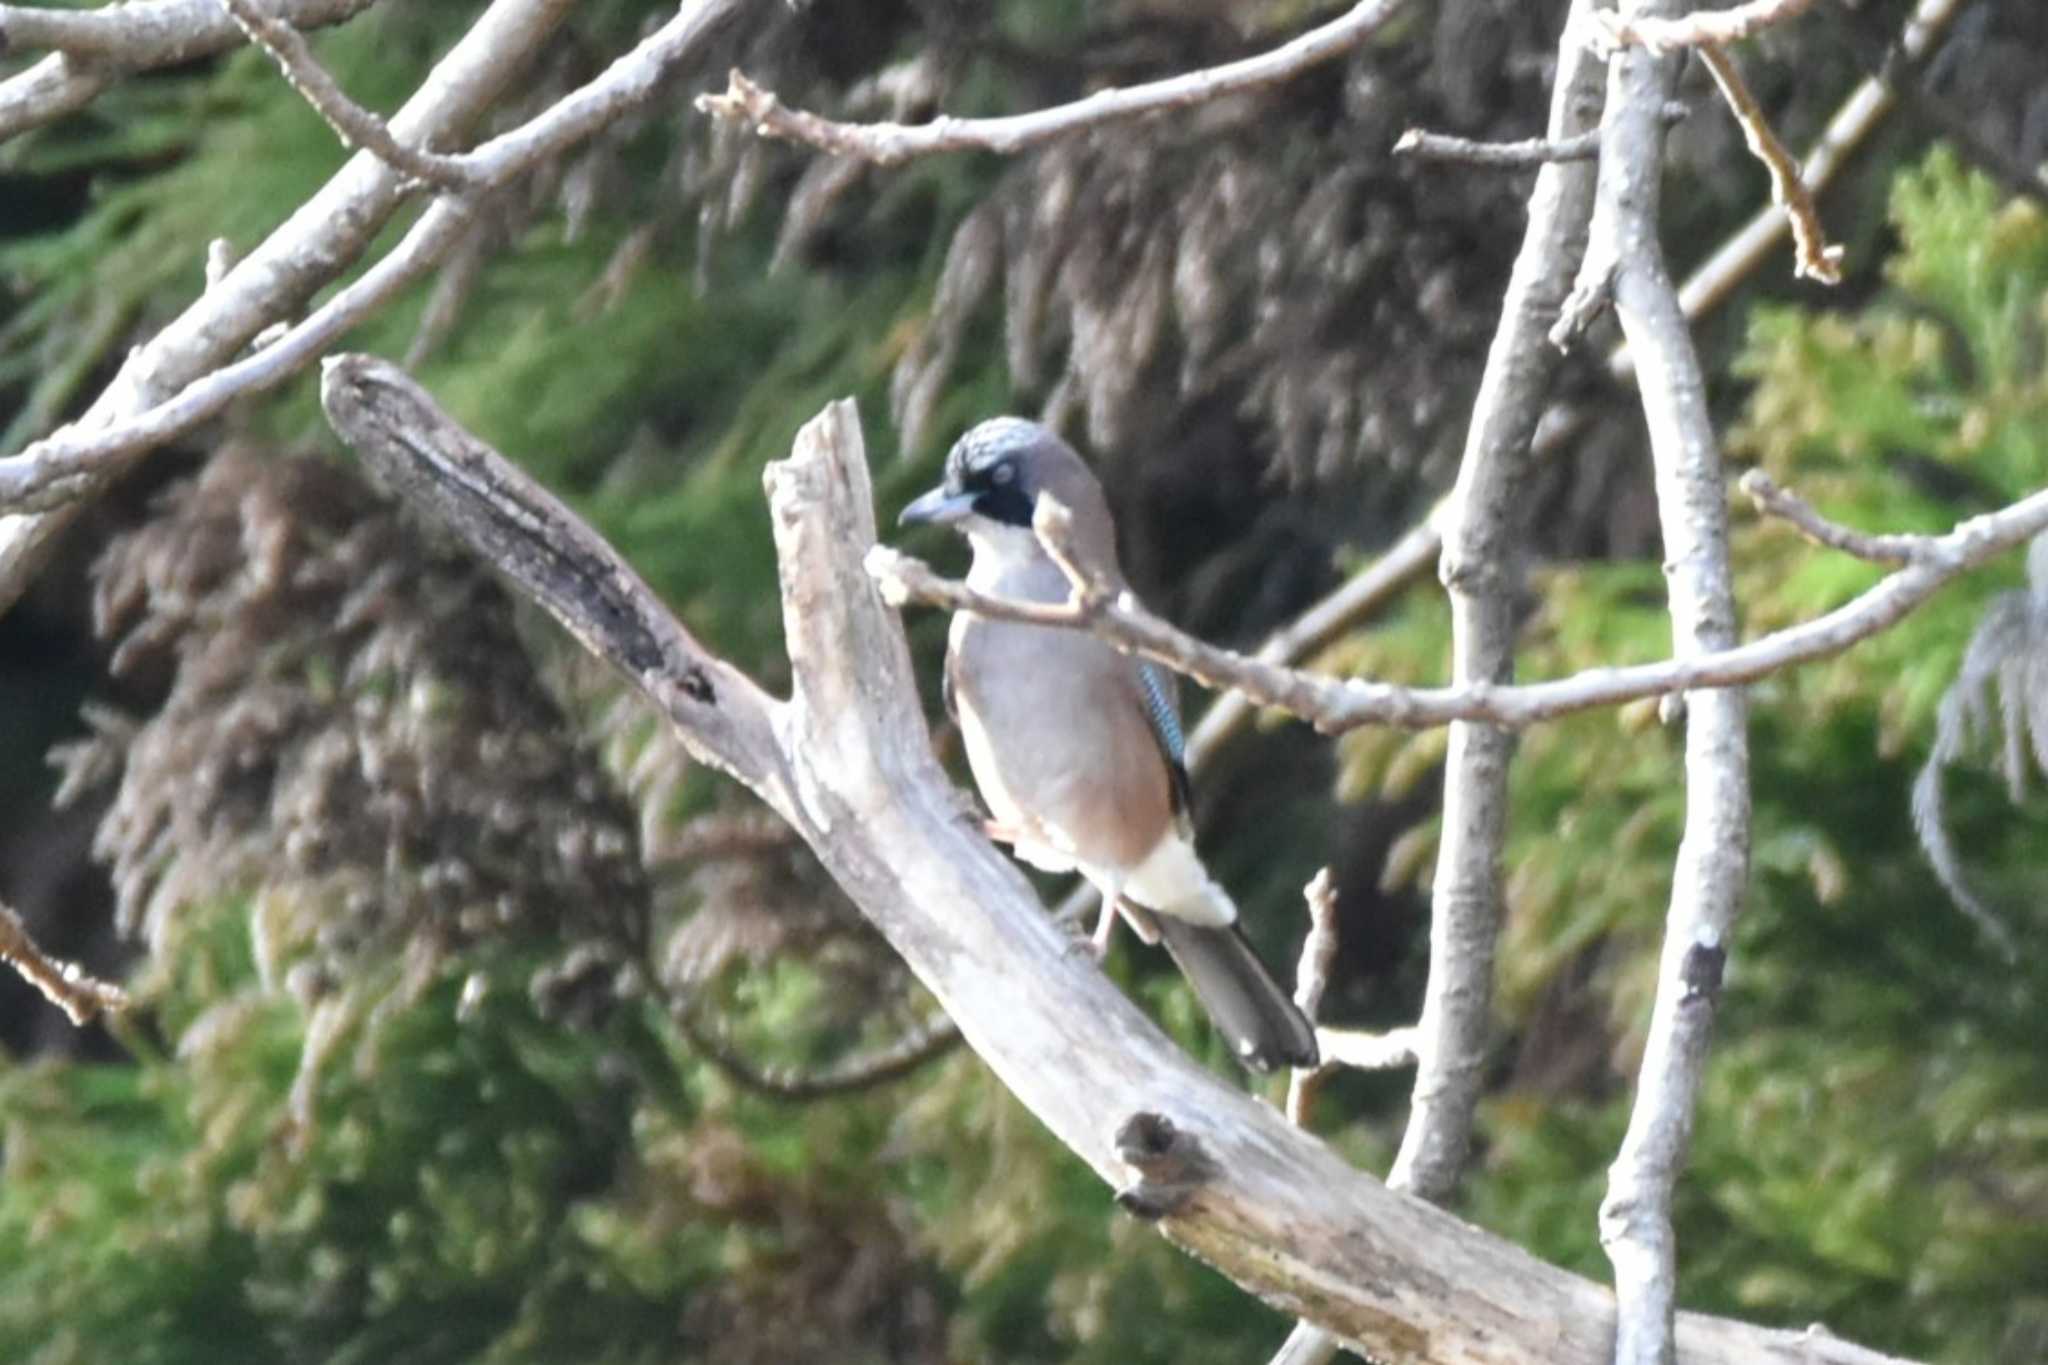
(1105, 928)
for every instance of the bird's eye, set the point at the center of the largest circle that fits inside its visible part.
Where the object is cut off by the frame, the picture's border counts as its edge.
(1002, 473)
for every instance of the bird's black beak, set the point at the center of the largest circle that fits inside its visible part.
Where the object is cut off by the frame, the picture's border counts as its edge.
(938, 508)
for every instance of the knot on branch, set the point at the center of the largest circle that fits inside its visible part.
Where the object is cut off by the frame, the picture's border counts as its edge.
(1171, 1166)
(1701, 972)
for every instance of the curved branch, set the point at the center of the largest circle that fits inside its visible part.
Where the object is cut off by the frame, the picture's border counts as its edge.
(879, 1066)
(1625, 255)
(1774, 501)
(888, 144)
(850, 765)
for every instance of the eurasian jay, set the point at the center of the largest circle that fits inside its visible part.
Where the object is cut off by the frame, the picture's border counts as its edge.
(1077, 748)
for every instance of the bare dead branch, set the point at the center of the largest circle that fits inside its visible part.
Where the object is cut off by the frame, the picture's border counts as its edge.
(1308, 1343)
(847, 761)
(1482, 575)
(1712, 868)
(426, 458)
(1528, 152)
(1715, 278)
(356, 126)
(81, 996)
(328, 233)
(1812, 255)
(1701, 28)
(74, 462)
(888, 144)
(1774, 501)
(1334, 705)
(1532, 151)
(93, 48)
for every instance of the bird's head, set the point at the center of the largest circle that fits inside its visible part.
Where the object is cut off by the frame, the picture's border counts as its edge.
(993, 475)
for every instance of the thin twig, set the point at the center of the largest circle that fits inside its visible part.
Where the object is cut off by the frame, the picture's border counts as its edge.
(1405, 563)
(70, 988)
(75, 461)
(1309, 1344)
(887, 144)
(1530, 151)
(1771, 500)
(149, 33)
(1813, 256)
(1534, 151)
(1311, 979)
(1701, 28)
(356, 126)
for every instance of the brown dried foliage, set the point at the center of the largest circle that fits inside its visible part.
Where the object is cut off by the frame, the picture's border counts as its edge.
(349, 732)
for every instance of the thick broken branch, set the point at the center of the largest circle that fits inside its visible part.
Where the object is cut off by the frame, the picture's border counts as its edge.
(888, 144)
(847, 760)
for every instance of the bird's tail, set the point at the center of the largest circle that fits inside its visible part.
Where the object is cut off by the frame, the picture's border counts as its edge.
(1258, 1019)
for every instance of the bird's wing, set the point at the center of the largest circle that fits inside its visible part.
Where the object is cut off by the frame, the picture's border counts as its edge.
(1162, 709)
